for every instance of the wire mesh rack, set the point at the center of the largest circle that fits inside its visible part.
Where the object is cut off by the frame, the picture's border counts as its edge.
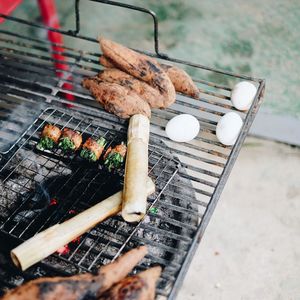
(195, 173)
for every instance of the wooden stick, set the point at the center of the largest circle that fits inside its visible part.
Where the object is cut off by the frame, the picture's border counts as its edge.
(48, 241)
(136, 169)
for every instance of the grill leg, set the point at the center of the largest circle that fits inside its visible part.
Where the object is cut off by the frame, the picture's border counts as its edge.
(50, 18)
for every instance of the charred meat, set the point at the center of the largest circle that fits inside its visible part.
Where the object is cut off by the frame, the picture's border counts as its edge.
(49, 137)
(70, 140)
(114, 157)
(92, 149)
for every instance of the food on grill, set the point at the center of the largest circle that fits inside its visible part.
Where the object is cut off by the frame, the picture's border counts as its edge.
(228, 128)
(83, 286)
(70, 140)
(114, 157)
(182, 128)
(92, 150)
(151, 95)
(59, 235)
(49, 137)
(117, 99)
(137, 287)
(243, 94)
(136, 169)
(139, 66)
(182, 82)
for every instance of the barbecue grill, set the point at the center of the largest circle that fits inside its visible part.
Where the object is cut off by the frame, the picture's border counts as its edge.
(38, 189)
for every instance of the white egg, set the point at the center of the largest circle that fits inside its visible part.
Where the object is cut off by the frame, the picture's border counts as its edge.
(228, 128)
(182, 128)
(243, 95)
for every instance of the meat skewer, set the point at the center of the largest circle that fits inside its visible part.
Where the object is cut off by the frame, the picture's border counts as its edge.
(182, 82)
(49, 137)
(137, 287)
(55, 237)
(70, 140)
(77, 287)
(92, 149)
(114, 157)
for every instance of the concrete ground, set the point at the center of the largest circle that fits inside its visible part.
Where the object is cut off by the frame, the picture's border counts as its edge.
(251, 248)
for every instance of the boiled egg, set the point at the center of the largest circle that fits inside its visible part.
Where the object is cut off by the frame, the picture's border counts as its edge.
(182, 128)
(243, 94)
(228, 128)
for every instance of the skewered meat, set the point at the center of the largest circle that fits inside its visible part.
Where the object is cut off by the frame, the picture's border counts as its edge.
(49, 137)
(70, 140)
(114, 157)
(92, 150)
(182, 82)
(151, 95)
(117, 99)
(138, 287)
(139, 66)
(78, 287)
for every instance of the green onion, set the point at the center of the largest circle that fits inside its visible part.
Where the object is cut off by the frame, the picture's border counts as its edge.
(45, 143)
(101, 142)
(66, 144)
(89, 155)
(114, 161)
(153, 210)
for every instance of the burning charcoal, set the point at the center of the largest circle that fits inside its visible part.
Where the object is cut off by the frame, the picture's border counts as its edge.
(49, 137)
(70, 140)
(114, 157)
(92, 150)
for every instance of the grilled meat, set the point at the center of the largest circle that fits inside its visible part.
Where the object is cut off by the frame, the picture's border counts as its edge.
(138, 287)
(114, 157)
(78, 287)
(182, 82)
(92, 149)
(70, 140)
(49, 137)
(151, 95)
(140, 66)
(117, 99)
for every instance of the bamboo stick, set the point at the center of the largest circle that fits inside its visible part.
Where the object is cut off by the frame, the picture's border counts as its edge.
(136, 169)
(48, 241)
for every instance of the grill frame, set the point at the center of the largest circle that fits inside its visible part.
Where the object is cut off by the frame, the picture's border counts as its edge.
(93, 111)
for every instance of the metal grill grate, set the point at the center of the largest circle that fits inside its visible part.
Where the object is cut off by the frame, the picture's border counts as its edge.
(31, 180)
(187, 193)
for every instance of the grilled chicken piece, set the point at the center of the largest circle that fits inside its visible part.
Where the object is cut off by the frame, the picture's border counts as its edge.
(151, 95)
(70, 140)
(182, 82)
(49, 137)
(117, 99)
(78, 287)
(114, 157)
(140, 66)
(138, 287)
(92, 149)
